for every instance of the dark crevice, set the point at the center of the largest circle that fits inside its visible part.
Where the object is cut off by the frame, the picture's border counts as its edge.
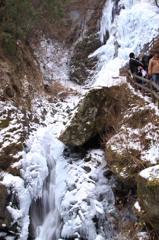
(79, 152)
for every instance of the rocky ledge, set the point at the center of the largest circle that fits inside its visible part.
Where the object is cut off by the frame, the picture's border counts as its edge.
(124, 121)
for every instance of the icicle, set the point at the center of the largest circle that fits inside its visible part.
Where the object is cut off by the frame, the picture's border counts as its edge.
(105, 23)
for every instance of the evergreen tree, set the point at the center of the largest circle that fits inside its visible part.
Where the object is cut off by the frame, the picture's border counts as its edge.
(20, 18)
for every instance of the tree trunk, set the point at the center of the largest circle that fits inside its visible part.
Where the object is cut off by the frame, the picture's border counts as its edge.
(2, 27)
(16, 29)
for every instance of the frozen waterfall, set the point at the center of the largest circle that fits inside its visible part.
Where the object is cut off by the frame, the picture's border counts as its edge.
(85, 206)
(44, 214)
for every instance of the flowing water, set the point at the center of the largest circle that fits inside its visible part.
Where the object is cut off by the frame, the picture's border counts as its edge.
(45, 219)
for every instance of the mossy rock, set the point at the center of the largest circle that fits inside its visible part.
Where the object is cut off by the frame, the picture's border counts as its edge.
(148, 196)
(4, 123)
(139, 119)
(93, 116)
(123, 174)
(123, 165)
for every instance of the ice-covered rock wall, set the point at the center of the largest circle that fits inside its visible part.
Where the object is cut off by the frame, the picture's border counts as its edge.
(125, 26)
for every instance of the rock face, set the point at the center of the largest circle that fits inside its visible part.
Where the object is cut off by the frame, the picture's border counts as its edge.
(148, 196)
(79, 28)
(5, 216)
(92, 116)
(80, 64)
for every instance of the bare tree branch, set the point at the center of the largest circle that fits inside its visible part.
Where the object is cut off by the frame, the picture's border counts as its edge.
(157, 3)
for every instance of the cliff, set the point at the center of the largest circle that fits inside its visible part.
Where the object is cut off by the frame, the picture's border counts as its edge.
(37, 84)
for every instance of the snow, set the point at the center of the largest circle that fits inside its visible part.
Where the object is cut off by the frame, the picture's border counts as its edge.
(131, 29)
(80, 204)
(129, 138)
(137, 206)
(150, 173)
(55, 60)
(143, 235)
(15, 185)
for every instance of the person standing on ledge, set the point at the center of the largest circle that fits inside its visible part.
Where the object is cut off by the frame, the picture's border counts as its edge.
(153, 68)
(134, 65)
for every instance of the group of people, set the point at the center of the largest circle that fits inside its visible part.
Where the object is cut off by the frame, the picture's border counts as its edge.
(148, 67)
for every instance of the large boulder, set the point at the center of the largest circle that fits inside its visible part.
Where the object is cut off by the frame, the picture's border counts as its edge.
(92, 116)
(148, 196)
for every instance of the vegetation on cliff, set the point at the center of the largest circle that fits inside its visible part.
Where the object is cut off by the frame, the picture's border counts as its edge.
(23, 20)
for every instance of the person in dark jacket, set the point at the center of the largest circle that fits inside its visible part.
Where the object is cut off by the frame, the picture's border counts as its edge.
(134, 64)
(150, 55)
(145, 62)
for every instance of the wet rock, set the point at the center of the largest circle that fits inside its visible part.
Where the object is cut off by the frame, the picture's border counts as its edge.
(107, 174)
(9, 92)
(87, 159)
(148, 196)
(121, 193)
(72, 186)
(87, 169)
(74, 152)
(3, 200)
(94, 178)
(6, 221)
(47, 88)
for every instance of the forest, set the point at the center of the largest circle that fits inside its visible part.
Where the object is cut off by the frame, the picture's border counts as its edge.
(25, 19)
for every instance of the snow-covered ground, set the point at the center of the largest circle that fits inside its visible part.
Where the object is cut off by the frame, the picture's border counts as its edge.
(78, 192)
